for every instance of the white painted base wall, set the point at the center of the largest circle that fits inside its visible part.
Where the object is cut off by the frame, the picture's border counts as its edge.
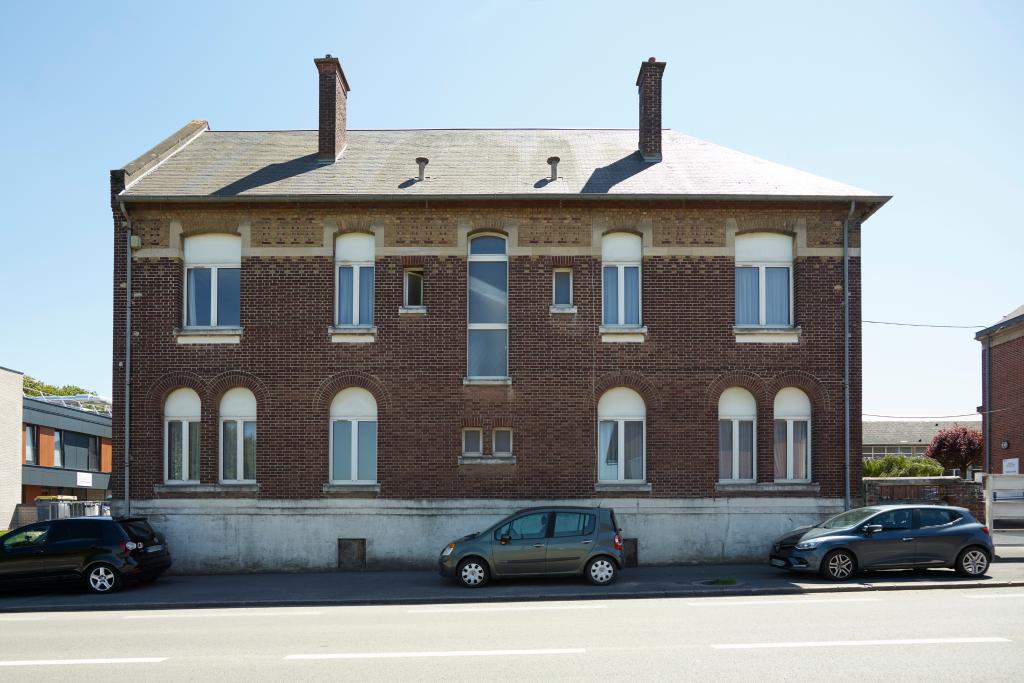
(291, 535)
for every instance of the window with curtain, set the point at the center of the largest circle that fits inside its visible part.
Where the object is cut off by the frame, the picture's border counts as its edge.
(58, 449)
(238, 436)
(487, 344)
(737, 439)
(354, 256)
(353, 437)
(621, 256)
(792, 435)
(31, 441)
(764, 280)
(621, 417)
(182, 413)
(212, 280)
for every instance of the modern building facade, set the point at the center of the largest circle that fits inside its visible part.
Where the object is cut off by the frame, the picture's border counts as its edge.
(398, 336)
(1002, 385)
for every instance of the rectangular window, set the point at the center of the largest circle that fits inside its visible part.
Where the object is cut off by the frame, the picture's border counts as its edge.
(58, 449)
(625, 437)
(502, 445)
(229, 450)
(355, 295)
(792, 450)
(621, 295)
(354, 451)
(413, 289)
(182, 450)
(776, 282)
(562, 287)
(736, 450)
(212, 297)
(725, 450)
(609, 450)
(94, 454)
(569, 524)
(748, 296)
(472, 442)
(249, 450)
(228, 297)
(31, 456)
(487, 339)
(238, 450)
(763, 296)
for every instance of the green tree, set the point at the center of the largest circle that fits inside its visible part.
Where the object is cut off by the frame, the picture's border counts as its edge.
(34, 386)
(957, 448)
(902, 466)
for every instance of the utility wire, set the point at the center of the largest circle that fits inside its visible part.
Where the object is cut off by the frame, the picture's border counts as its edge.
(943, 417)
(961, 327)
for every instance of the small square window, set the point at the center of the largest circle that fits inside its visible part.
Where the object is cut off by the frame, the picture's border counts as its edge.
(472, 442)
(413, 288)
(562, 287)
(503, 442)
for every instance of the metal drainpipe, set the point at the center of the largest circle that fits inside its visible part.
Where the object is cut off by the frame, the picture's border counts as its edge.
(986, 414)
(127, 358)
(846, 352)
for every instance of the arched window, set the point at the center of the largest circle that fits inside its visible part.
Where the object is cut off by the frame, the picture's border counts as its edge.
(764, 280)
(353, 437)
(182, 411)
(487, 345)
(621, 414)
(238, 436)
(621, 255)
(737, 445)
(212, 280)
(354, 255)
(792, 435)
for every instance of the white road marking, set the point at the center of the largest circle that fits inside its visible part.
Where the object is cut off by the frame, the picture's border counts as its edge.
(997, 596)
(732, 603)
(76, 662)
(449, 653)
(22, 618)
(514, 608)
(858, 643)
(209, 615)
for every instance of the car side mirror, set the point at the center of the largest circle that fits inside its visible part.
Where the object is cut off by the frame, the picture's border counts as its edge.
(504, 540)
(871, 528)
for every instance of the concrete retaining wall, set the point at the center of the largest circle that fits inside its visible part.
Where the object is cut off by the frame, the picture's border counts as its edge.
(232, 535)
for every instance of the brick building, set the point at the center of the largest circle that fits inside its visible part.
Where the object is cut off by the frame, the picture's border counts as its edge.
(1002, 383)
(431, 328)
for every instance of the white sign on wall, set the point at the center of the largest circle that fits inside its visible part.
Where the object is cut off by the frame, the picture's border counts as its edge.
(83, 479)
(1011, 466)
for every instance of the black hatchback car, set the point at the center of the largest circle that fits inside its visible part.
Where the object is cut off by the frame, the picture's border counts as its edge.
(888, 537)
(101, 552)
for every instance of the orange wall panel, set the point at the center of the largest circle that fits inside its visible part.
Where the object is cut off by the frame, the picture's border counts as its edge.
(45, 446)
(29, 493)
(105, 456)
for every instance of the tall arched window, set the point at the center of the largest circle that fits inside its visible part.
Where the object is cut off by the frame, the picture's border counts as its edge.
(737, 445)
(487, 345)
(353, 437)
(764, 280)
(621, 255)
(212, 280)
(792, 435)
(354, 257)
(182, 412)
(238, 436)
(621, 414)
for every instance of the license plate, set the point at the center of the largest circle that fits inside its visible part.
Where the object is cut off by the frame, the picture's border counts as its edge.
(777, 563)
(154, 548)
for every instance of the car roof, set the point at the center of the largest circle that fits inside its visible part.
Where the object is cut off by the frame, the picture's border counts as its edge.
(576, 508)
(900, 506)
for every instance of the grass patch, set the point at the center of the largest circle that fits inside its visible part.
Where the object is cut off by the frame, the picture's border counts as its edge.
(722, 582)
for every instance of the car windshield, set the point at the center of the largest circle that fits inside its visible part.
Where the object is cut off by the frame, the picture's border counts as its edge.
(849, 518)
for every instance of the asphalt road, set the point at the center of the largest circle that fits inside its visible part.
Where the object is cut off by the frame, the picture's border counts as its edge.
(903, 635)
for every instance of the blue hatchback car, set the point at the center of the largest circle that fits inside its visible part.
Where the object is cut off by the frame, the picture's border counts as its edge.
(887, 537)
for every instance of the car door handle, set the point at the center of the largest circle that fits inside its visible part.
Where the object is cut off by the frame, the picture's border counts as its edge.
(586, 542)
(538, 545)
(906, 539)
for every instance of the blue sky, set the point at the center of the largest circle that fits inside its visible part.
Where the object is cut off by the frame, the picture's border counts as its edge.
(920, 100)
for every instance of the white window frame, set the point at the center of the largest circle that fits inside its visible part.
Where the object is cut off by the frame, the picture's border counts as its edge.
(621, 432)
(480, 436)
(493, 258)
(354, 464)
(735, 420)
(214, 268)
(187, 477)
(405, 288)
(790, 463)
(762, 294)
(357, 313)
(554, 278)
(494, 442)
(239, 450)
(621, 274)
(765, 261)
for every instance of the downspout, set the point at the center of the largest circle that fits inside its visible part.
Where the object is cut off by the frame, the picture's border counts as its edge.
(846, 353)
(986, 414)
(127, 358)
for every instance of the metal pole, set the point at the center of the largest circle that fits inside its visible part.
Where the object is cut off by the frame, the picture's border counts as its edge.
(127, 358)
(986, 414)
(846, 354)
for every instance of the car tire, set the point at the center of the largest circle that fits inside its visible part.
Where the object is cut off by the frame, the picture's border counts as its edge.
(102, 578)
(972, 562)
(601, 571)
(838, 565)
(472, 572)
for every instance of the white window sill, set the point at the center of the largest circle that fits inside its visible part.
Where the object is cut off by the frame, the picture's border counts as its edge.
(626, 486)
(485, 381)
(756, 334)
(353, 334)
(412, 310)
(623, 333)
(476, 459)
(767, 487)
(352, 487)
(196, 487)
(208, 335)
(562, 310)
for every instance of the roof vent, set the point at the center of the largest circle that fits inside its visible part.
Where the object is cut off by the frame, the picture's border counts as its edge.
(422, 163)
(553, 163)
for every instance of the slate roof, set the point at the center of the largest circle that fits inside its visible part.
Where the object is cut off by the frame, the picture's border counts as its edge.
(1008, 321)
(907, 432)
(470, 163)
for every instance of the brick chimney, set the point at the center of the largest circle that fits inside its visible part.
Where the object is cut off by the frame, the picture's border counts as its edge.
(333, 99)
(648, 83)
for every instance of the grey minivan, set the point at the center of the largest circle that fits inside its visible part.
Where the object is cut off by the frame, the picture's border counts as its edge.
(541, 541)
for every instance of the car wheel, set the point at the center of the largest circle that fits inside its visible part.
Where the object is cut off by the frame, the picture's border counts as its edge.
(601, 571)
(838, 565)
(972, 562)
(102, 578)
(473, 572)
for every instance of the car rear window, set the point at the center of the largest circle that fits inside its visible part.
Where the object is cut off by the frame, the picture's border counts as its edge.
(574, 524)
(138, 530)
(81, 530)
(937, 517)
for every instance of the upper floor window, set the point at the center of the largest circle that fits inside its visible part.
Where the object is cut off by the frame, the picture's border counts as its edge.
(182, 412)
(79, 451)
(353, 437)
(354, 259)
(31, 445)
(737, 442)
(764, 280)
(561, 290)
(792, 435)
(58, 449)
(238, 436)
(412, 288)
(487, 345)
(212, 285)
(621, 414)
(621, 255)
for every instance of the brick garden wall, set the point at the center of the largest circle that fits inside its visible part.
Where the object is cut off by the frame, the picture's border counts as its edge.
(927, 490)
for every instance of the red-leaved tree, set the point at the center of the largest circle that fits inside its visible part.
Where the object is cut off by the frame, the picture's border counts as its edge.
(957, 448)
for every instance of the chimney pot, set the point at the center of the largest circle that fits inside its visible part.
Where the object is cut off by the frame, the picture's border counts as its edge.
(334, 91)
(553, 163)
(422, 163)
(648, 83)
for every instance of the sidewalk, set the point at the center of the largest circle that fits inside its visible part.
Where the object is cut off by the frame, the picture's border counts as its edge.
(423, 587)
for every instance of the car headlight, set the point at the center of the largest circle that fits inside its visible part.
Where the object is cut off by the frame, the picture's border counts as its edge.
(449, 549)
(807, 545)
